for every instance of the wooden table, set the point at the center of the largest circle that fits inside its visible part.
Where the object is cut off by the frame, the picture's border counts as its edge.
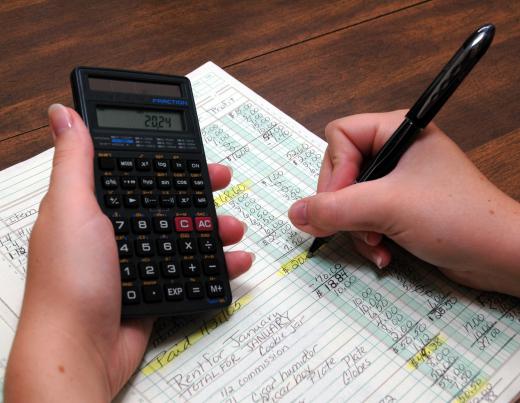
(315, 60)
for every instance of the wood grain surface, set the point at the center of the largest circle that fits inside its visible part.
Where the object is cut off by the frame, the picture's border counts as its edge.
(316, 61)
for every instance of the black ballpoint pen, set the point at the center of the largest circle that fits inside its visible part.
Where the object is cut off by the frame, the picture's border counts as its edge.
(423, 111)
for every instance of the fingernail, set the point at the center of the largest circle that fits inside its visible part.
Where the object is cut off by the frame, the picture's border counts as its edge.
(59, 119)
(253, 257)
(379, 261)
(372, 238)
(245, 227)
(298, 212)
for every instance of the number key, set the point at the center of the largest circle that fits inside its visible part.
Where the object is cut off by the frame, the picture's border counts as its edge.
(169, 269)
(165, 247)
(141, 225)
(120, 225)
(144, 247)
(162, 225)
(124, 248)
(130, 295)
(127, 272)
(148, 271)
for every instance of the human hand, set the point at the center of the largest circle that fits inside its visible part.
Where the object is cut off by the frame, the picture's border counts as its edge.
(435, 203)
(71, 344)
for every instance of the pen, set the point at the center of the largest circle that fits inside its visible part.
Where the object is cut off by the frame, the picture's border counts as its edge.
(423, 111)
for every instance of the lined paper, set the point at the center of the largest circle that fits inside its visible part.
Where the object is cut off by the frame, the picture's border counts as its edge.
(330, 328)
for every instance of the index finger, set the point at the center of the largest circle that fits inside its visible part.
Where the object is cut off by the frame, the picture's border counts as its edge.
(351, 140)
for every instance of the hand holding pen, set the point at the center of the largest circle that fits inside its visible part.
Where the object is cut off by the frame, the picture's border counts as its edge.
(434, 203)
(426, 107)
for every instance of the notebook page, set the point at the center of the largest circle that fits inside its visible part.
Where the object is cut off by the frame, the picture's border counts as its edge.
(330, 328)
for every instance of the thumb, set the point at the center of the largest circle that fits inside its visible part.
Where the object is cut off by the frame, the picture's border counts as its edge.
(72, 167)
(360, 207)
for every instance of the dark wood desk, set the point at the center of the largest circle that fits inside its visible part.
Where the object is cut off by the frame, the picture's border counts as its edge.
(316, 61)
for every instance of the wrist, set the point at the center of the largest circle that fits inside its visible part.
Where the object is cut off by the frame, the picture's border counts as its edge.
(47, 363)
(500, 254)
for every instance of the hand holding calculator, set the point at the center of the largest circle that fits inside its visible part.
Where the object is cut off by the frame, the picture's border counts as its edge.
(152, 181)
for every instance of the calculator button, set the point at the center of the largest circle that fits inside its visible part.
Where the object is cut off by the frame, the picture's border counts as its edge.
(187, 246)
(190, 268)
(130, 295)
(162, 225)
(152, 293)
(165, 247)
(211, 268)
(128, 272)
(183, 201)
(194, 290)
(124, 248)
(128, 182)
(167, 201)
(149, 200)
(178, 166)
(194, 166)
(141, 225)
(164, 183)
(143, 164)
(203, 224)
(160, 165)
(106, 163)
(207, 245)
(183, 224)
(109, 182)
(120, 225)
(215, 289)
(180, 183)
(197, 183)
(144, 247)
(200, 201)
(112, 201)
(125, 164)
(174, 292)
(169, 269)
(148, 271)
(131, 201)
(147, 182)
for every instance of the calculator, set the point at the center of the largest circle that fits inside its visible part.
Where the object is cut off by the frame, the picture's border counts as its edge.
(152, 181)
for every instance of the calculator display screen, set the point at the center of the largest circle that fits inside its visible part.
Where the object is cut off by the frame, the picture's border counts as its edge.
(134, 87)
(142, 119)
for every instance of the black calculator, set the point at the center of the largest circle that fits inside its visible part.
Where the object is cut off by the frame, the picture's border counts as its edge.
(152, 181)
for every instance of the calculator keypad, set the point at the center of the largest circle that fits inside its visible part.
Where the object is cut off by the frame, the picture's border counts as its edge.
(171, 259)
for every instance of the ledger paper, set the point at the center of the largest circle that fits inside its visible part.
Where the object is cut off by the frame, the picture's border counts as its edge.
(332, 328)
